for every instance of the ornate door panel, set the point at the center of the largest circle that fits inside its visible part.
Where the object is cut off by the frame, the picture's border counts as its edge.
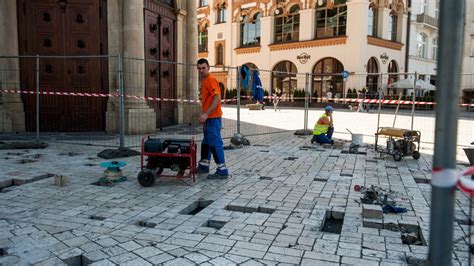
(58, 28)
(161, 68)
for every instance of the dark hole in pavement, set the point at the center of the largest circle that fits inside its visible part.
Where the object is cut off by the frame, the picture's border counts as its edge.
(3, 252)
(320, 179)
(146, 224)
(70, 154)
(266, 177)
(370, 161)
(25, 161)
(416, 261)
(411, 235)
(391, 167)
(102, 183)
(78, 260)
(464, 221)
(250, 209)
(90, 164)
(335, 156)
(291, 158)
(346, 174)
(215, 224)
(96, 217)
(196, 207)
(261, 145)
(422, 180)
(333, 222)
(264, 150)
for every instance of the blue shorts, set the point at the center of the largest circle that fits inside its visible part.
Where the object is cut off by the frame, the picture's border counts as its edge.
(212, 132)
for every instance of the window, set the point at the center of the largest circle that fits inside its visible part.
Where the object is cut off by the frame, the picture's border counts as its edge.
(221, 13)
(220, 54)
(250, 31)
(287, 28)
(421, 45)
(437, 9)
(423, 7)
(373, 76)
(434, 49)
(472, 45)
(331, 21)
(202, 41)
(392, 26)
(373, 18)
(202, 3)
(392, 68)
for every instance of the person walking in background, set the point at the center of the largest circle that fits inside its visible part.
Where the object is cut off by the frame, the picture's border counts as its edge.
(324, 127)
(211, 118)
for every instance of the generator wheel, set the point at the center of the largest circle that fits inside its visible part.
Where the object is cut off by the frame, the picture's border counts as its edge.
(146, 178)
(416, 155)
(397, 156)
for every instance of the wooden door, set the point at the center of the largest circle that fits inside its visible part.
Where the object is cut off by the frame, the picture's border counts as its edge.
(160, 55)
(63, 28)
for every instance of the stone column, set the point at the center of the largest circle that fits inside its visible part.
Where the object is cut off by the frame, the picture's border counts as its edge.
(12, 115)
(139, 118)
(192, 110)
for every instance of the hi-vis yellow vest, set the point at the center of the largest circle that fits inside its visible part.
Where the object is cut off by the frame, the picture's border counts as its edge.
(320, 129)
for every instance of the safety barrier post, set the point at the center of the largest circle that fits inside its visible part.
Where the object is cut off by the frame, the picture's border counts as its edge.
(121, 101)
(413, 101)
(450, 55)
(237, 79)
(37, 97)
(306, 102)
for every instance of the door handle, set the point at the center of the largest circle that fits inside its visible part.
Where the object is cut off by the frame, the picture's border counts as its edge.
(165, 53)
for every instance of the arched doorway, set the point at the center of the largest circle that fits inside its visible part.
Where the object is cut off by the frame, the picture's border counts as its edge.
(327, 78)
(372, 79)
(392, 77)
(284, 77)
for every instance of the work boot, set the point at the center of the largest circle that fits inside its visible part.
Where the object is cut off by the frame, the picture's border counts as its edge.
(203, 167)
(221, 173)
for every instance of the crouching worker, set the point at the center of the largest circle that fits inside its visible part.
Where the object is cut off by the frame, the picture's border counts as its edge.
(324, 128)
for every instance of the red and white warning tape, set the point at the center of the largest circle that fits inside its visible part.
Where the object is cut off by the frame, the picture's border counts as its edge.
(341, 100)
(450, 177)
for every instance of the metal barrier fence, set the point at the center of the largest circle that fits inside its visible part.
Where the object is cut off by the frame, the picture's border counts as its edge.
(113, 101)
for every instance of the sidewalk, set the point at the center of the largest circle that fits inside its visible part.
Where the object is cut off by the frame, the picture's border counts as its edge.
(282, 192)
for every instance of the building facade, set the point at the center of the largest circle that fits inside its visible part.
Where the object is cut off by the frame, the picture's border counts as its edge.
(323, 37)
(423, 40)
(160, 31)
(467, 85)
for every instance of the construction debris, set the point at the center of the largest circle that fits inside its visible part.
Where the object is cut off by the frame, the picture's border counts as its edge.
(380, 196)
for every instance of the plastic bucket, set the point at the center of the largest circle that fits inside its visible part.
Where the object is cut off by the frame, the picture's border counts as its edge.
(357, 139)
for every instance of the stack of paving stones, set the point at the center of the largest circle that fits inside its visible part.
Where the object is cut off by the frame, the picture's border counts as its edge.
(272, 210)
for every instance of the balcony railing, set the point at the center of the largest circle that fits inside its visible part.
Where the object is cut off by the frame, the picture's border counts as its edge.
(431, 21)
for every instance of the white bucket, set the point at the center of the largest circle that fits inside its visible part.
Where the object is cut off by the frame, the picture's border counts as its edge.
(357, 139)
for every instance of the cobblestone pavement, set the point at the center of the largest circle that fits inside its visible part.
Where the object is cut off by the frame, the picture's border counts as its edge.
(281, 198)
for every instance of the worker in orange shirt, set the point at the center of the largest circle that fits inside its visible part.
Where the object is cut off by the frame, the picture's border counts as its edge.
(211, 118)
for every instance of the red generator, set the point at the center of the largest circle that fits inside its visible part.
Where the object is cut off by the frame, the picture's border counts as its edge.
(175, 154)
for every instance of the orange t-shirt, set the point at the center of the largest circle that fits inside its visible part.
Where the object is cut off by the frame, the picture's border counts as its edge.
(209, 89)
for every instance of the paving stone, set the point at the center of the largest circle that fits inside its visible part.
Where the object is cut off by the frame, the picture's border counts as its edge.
(282, 258)
(247, 252)
(178, 262)
(221, 261)
(130, 245)
(372, 211)
(146, 252)
(196, 257)
(159, 259)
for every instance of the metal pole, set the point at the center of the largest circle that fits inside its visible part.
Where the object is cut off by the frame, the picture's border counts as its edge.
(37, 97)
(380, 108)
(306, 103)
(413, 101)
(121, 102)
(451, 40)
(238, 98)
